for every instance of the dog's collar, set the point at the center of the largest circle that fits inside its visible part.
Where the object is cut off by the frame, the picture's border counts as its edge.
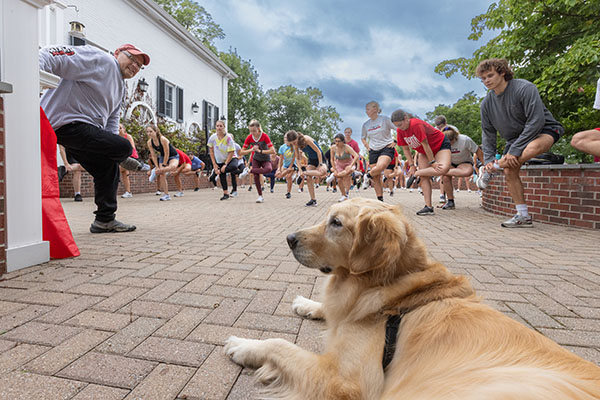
(391, 336)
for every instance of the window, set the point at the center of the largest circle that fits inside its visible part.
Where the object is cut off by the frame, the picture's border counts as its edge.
(170, 100)
(210, 115)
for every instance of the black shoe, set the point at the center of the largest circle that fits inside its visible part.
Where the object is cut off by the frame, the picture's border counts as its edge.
(425, 211)
(112, 226)
(311, 203)
(334, 190)
(78, 197)
(418, 181)
(62, 171)
(249, 188)
(196, 189)
(410, 181)
(299, 180)
(288, 195)
(225, 197)
(449, 205)
(213, 178)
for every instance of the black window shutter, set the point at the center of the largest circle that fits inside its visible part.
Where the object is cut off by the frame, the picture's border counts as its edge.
(205, 116)
(179, 104)
(161, 97)
(216, 115)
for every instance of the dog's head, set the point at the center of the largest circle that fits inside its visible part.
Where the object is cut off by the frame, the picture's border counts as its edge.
(358, 236)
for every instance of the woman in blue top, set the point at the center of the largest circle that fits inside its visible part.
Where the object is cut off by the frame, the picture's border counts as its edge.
(315, 168)
(287, 166)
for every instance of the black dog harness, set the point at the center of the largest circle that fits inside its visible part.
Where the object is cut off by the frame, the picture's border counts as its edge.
(391, 335)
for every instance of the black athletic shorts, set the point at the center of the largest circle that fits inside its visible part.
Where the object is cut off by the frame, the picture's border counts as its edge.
(375, 154)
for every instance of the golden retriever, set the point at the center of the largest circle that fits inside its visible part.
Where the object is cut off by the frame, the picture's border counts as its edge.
(449, 344)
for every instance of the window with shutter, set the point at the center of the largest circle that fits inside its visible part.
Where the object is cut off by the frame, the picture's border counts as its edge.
(217, 117)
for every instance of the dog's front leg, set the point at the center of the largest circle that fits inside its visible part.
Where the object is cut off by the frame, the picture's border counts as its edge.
(305, 374)
(308, 308)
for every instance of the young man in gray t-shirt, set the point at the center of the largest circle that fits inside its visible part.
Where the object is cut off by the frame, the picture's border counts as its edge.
(513, 108)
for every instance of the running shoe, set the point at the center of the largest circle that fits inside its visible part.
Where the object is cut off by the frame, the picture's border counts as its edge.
(334, 190)
(288, 195)
(152, 177)
(449, 205)
(425, 211)
(366, 181)
(343, 198)
(299, 180)
(225, 197)
(77, 197)
(410, 181)
(62, 171)
(112, 226)
(179, 194)
(311, 203)
(127, 195)
(484, 178)
(244, 173)
(518, 221)
(131, 164)
(158, 193)
(166, 197)
(196, 189)
(260, 199)
(249, 188)
(234, 193)
(442, 198)
(330, 179)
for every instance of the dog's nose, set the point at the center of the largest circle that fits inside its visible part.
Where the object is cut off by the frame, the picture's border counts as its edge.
(292, 240)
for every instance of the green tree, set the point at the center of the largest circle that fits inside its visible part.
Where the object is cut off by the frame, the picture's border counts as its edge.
(195, 19)
(246, 99)
(290, 108)
(552, 43)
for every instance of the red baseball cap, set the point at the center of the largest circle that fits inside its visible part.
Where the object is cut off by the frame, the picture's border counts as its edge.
(135, 51)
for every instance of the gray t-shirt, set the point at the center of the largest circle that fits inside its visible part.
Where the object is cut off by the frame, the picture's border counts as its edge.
(518, 114)
(378, 132)
(91, 88)
(463, 149)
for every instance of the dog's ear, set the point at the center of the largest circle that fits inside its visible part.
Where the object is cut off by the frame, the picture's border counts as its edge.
(379, 238)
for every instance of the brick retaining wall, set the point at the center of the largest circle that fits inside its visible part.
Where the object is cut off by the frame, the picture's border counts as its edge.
(139, 184)
(555, 194)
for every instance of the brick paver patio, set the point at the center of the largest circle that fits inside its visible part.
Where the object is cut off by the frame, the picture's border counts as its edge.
(144, 315)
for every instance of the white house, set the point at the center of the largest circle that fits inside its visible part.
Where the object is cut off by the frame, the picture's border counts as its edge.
(187, 83)
(182, 74)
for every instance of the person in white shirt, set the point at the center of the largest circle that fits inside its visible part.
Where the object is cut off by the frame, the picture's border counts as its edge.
(589, 141)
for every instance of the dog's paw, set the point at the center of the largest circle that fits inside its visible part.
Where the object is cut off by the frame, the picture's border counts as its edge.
(307, 308)
(245, 352)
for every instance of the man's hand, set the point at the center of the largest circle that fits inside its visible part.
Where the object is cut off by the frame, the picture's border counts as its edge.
(510, 160)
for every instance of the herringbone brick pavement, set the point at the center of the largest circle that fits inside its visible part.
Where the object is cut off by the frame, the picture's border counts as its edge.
(144, 315)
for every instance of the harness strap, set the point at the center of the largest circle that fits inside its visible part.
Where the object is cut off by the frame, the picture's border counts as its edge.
(391, 336)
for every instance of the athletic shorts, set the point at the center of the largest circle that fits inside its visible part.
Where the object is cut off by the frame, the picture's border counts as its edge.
(375, 154)
(171, 157)
(445, 145)
(555, 136)
(464, 162)
(391, 166)
(341, 165)
(70, 158)
(314, 162)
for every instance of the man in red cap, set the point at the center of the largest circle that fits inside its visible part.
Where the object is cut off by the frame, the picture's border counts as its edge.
(84, 112)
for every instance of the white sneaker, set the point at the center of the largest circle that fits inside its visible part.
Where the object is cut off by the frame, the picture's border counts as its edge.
(469, 190)
(366, 181)
(420, 190)
(234, 194)
(260, 199)
(299, 190)
(166, 197)
(244, 173)
(410, 190)
(343, 198)
(152, 177)
(126, 195)
(330, 179)
(179, 194)
(158, 193)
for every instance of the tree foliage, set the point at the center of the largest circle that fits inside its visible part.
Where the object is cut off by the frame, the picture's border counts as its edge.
(246, 99)
(195, 19)
(552, 43)
(464, 114)
(290, 108)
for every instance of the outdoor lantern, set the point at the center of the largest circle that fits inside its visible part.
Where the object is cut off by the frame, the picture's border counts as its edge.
(143, 85)
(195, 108)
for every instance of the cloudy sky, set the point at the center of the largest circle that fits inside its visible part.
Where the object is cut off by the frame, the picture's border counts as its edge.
(355, 51)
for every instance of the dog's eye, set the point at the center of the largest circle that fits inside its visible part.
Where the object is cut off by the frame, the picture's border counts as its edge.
(335, 222)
